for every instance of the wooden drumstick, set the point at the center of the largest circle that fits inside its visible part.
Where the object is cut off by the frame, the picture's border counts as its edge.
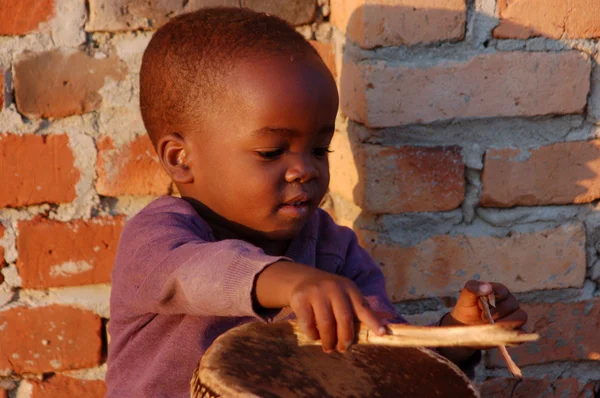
(486, 302)
(400, 335)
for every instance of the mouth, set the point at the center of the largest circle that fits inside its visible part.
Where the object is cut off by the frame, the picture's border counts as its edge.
(296, 207)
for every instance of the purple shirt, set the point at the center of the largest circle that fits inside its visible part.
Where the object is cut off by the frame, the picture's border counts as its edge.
(175, 289)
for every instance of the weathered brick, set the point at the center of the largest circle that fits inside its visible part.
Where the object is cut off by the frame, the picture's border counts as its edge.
(568, 331)
(536, 388)
(58, 84)
(326, 52)
(123, 15)
(49, 339)
(59, 386)
(440, 265)
(133, 169)
(395, 180)
(19, 17)
(296, 12)
(372, 23)
(36, 169)
(53, 253)
(382, 94)
(554, 174)
(522, 19)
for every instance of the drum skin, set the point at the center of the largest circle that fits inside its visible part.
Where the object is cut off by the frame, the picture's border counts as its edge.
(265, 360)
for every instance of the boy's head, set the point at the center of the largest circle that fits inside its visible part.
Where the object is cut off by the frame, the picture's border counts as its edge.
(241, 111)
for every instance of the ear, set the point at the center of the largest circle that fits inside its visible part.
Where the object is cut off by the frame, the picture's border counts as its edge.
(172, 151)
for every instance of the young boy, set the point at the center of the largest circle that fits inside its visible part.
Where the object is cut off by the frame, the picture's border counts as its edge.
(241, 111)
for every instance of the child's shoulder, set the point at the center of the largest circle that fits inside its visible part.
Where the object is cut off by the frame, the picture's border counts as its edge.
(164, 213)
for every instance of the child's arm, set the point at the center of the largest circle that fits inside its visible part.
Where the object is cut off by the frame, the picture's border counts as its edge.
(167, 265)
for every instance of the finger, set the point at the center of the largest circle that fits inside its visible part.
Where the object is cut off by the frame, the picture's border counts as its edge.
(306, 319)
(505, 307)
(325, 325)
(365, 314)
(344, 319)
(469, 296)
(518, 317)
(500, 291)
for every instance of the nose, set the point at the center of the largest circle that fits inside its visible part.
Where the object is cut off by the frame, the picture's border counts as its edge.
(302, 168)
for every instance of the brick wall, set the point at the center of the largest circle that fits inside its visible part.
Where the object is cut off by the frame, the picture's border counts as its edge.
(468, 146)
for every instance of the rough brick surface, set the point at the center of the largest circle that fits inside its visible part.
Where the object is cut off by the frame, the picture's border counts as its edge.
(381, 94)
(372, 23)
(439, 266)
(396, 180)
(36, 169)
(59, 386)
(122, 15)
(536, 388)
(133, 169)
(53, 253)
(522, 19)
(19, 17)
(58, 84)
(554, 174)
(326, 52)
(297, 12)
(49, 339)
(569, 331)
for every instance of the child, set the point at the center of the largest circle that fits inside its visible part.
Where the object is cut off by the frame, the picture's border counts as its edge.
(241, 111)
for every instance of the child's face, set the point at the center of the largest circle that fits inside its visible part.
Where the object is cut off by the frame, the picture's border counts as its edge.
(261, 162)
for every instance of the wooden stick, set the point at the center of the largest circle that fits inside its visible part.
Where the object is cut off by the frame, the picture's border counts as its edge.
(486, 301)
(400, 335)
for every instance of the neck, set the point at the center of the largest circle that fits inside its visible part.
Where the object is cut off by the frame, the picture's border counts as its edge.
(225, 229)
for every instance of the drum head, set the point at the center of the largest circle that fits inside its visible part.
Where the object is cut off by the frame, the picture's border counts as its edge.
(265, 360)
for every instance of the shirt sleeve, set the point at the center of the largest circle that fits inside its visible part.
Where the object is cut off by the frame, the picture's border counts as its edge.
(167, 264)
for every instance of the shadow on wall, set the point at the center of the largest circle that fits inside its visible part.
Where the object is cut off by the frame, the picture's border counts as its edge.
(404, 66)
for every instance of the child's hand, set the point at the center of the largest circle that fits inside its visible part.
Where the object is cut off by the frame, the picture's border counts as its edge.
(469, 311)
(326, 305)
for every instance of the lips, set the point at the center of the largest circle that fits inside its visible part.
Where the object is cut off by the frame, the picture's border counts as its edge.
(298, 200)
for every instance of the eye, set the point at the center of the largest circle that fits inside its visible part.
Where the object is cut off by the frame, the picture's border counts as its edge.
(321, 152)
(270, 155)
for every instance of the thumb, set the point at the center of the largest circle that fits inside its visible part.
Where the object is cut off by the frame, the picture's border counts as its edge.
(469, 296)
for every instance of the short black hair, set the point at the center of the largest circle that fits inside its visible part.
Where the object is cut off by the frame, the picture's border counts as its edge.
(185, 62)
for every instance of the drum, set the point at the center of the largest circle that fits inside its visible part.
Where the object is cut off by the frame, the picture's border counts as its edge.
(268, 360)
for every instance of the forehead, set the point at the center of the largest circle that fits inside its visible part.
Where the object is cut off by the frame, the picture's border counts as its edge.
(284, 91)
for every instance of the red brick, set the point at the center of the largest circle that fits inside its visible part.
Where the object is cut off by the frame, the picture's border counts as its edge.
(133, 169)
(326, 52)
(58, 84)
(49, 339)
(395, 180)
(296, 12)
(554, 174)
(569, 332)
(382, 94)
(440, 265)
(2, 261)
(522, 19)
(54, 254)
(19, 17)
(36, 169)
(59, 386)
(372, 23)
(536, 388)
